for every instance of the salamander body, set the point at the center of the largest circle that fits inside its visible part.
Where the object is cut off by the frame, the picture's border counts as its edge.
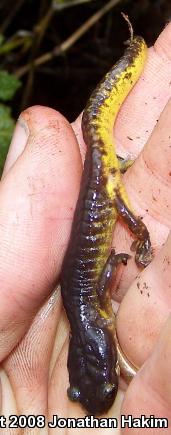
(89, 261)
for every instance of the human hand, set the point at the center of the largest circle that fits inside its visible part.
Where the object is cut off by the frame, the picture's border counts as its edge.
(37, 198)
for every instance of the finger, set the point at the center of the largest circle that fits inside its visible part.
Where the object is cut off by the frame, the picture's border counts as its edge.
(145, 308)
(143, 106)
(76, 125)
(148, 184)
(150, 391)
(141, 110)
(27, 367)
(37, 198)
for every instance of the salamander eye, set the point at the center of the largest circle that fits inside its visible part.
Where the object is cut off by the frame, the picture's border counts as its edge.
(107, 390)
(73, 393)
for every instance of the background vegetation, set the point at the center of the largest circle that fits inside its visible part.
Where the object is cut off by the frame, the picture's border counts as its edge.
(53, 52)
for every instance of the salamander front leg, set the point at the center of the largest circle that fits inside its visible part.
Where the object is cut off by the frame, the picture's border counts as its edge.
(142, 246)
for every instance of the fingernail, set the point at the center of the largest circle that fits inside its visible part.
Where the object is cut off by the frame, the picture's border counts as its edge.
(18, 143)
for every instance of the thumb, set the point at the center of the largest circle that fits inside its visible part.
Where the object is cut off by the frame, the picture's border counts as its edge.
(37, 199)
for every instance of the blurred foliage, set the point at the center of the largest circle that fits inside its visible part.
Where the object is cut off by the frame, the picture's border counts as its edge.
(51, 49)
(60, 4)
(6, 130)
(8, 85)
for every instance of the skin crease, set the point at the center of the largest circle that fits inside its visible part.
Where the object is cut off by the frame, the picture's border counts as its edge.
(38, 193)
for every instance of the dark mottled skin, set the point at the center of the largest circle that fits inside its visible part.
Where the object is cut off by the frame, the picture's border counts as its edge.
(86, 271)
(92, 354)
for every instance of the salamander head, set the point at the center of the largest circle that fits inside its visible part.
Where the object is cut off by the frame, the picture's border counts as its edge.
(94, 383)
(97, 401)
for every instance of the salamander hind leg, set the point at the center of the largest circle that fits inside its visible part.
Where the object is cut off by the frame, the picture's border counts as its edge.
(109, 269)
(142, 246)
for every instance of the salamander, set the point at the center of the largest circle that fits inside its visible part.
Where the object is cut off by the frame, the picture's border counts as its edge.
(90, 261)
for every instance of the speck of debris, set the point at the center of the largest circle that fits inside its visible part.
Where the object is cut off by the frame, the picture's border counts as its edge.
(157, 120)
(141, 292)
(130, 138)
(166, 260)
(148, 294)
(146, 131)
(154, 199)
(138, 284)
(147, 210)
(145, 285)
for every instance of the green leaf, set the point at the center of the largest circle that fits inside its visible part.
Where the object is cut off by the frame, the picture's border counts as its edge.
(6, 131)
(8, 85)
